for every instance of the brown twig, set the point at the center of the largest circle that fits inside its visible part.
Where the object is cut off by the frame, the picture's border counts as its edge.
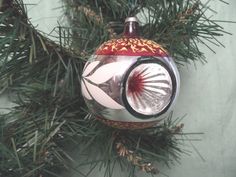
(135, 159)
(89, 13)
(177, 129)
(184, 16)
(98, 19)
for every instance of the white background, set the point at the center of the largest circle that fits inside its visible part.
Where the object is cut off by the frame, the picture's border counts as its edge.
(208, 96)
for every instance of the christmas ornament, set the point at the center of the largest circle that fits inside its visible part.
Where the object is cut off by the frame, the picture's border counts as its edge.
(131, 82)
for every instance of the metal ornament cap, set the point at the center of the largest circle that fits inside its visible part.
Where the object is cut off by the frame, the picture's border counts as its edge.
(131, 19)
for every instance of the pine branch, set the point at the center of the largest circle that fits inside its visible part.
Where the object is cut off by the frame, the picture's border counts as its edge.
(44, 76)
(51, 120)
(177, 25)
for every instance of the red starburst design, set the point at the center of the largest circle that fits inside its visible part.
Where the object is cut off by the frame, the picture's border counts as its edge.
(135, 83)
(149, 88)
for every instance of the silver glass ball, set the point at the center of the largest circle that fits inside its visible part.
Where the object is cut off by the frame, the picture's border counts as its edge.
(130, 91)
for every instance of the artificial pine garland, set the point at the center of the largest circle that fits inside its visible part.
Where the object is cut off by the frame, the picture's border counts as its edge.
(51, 120)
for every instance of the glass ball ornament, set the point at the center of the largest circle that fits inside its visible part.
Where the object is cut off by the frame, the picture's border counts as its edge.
(131, 82)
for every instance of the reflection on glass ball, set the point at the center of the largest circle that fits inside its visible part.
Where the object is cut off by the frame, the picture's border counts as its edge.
(130, 91)
(148, 89)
